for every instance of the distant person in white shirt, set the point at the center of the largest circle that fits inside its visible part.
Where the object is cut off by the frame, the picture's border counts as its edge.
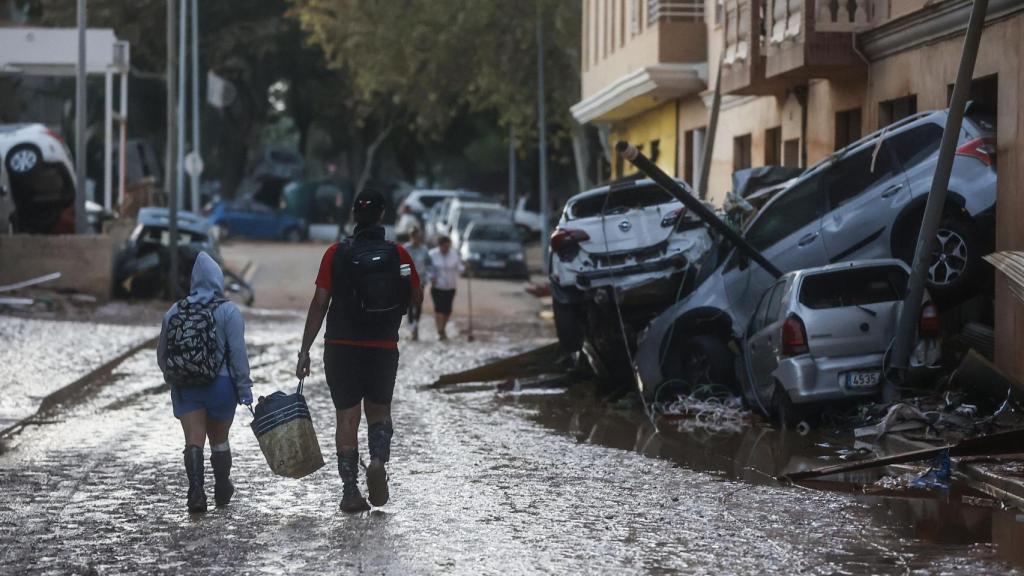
(443, 268)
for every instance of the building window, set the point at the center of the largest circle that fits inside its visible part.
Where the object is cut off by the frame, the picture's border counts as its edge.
(897, 109)
(623, 17)
(655, 150)
(791, 153)
(773, 146)
(741, 152)
(847, 127)
(720, 11)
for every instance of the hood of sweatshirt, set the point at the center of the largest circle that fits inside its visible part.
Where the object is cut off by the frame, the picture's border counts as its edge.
(207, 280)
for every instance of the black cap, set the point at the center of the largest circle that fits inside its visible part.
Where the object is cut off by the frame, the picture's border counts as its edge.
(368, 207)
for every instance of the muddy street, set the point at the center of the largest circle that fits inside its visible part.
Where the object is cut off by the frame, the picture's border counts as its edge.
(482, 482)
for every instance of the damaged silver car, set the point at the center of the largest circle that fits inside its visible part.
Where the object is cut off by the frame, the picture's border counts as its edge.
(823, 335)
(619, 256)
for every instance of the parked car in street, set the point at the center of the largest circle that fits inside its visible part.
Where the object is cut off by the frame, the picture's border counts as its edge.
(41, 179)
(143, 261)
(462, 213)
(863, 202)
(494, 249)
(252, 219)
(822, 335)
(420, 201)
(631, 243)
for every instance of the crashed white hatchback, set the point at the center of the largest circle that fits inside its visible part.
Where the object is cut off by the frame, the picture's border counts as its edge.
(632, 242)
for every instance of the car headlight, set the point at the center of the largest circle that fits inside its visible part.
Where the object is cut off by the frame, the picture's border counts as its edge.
(518, 257)
(472, 255)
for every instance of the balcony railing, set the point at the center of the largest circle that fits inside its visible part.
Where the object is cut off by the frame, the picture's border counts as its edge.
(683, 10)
(737, 31)
(849, 15)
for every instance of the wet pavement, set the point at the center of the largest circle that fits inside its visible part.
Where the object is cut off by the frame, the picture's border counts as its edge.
(543, 481)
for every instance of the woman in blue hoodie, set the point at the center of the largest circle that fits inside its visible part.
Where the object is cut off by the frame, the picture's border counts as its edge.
(206, 410)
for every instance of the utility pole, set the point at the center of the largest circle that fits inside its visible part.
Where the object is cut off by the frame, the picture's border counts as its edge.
(81, 224)
(171, 172)
(196, 149)
(512, 167)
(542, 137)
(906, 328)
(182, 81)
(709, 138)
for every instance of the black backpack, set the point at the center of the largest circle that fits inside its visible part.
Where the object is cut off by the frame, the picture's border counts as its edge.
(193, 357)
(373, 271)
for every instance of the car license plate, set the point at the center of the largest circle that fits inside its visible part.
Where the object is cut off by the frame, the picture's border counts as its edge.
(493, 264)
(862, 380)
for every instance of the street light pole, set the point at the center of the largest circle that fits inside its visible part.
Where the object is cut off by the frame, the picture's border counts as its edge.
(542, 137)
(182, 80)
(196, 149)
(81, 224)
(512, 167)
(171, 172)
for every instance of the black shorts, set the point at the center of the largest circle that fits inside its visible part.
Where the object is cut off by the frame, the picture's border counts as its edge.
(354, 373)
(443, 300)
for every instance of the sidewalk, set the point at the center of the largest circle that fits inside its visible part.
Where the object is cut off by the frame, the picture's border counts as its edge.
(41, 360)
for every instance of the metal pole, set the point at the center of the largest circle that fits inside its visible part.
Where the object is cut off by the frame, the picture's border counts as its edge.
(81, 223)
(108, 139)
(512, 168)
(709, 138)
(171, 173)
(906, 328)
(670, 185)
(542, 136)
(122, 176)
(196, 149)
(182, 80)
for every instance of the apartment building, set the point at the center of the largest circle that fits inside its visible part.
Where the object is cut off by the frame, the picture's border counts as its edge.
(800, 79)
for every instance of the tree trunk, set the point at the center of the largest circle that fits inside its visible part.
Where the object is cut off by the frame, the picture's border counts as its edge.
(371, 151)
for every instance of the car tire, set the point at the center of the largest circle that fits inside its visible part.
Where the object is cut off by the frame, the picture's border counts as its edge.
(956, 268)
(706, 358)
(293, 236)
(569, 323)
(786, 414)
(23, 159)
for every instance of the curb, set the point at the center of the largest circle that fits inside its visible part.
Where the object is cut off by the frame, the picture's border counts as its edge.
(58, 396)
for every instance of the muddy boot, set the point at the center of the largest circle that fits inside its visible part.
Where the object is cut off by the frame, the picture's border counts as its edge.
(223, 489)
(379, 439)
(348, 468)
(194, 470)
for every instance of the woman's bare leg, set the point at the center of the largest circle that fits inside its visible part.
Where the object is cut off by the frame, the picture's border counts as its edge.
(193, 424)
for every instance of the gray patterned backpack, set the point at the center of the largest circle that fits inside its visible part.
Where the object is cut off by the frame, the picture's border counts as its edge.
(193, 356)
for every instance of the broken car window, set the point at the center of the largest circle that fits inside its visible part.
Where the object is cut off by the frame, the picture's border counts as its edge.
(916, 144)
(619, 201)
(852, 175)
(853, 287)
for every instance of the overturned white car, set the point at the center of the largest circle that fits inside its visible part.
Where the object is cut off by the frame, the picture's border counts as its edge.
(620, 255)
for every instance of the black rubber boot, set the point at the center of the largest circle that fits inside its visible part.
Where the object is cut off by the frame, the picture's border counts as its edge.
(194, 470)
(379, 440)
(348, 468)
(223, 489)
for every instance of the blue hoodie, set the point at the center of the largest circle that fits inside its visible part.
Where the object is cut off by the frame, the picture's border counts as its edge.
(208, 283)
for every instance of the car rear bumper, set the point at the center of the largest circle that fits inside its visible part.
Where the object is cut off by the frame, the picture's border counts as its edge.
(808, 379)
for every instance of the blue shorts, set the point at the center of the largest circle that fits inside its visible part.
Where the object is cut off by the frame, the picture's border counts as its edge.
(219, 399)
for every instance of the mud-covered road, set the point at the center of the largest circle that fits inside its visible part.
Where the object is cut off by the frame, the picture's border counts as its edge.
(482, 483)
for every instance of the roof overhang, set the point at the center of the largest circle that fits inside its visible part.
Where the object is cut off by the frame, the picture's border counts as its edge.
(54, 51)
(640, 91)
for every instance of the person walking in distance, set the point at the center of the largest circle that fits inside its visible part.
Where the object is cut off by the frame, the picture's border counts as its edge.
(418, 251)
(444, 266)
(364, 287)
(201, 352)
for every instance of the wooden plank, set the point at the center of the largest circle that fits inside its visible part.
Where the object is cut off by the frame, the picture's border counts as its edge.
(536, 362)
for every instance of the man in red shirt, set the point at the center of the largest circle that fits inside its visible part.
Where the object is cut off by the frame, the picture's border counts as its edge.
(364, 288)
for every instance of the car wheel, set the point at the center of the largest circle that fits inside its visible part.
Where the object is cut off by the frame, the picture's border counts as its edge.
(569, 324)
(955, 269)
(706, 359)
(23, 159)
(293, 236)
(787, 414)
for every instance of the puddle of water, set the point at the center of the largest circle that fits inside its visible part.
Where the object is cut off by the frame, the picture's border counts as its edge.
(756, 454)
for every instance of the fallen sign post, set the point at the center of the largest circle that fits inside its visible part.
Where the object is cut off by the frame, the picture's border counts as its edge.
(1011, 442)
(536, 362)
(667, 183)
(31, 282)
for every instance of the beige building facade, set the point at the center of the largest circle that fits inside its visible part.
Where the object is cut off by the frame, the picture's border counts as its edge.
(801, 79)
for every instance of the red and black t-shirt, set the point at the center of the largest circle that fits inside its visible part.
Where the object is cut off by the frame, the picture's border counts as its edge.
(323, 280)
